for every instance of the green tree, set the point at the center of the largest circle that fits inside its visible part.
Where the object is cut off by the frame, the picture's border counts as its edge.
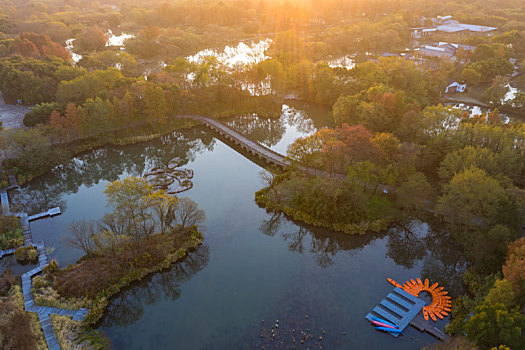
(31, 150)
(503, 293)
(155, 105)
(40, 113)
(415, 194)
(474, 199)
(131, 201)
(483, 52)
(494, 324)
(505, 163)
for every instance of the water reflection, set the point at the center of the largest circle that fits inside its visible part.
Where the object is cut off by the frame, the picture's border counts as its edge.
(323, 244)
(241, 55)
(407, 245)
(108, 164)
(128, 306)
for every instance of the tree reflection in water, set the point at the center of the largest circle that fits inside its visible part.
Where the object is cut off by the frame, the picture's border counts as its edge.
(322, 243)
(127, 307)
(406, 244)
(108, 164)
(265, 130)
(269, 131)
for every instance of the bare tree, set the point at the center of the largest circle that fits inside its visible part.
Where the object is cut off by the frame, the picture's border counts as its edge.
(268, 179)
(81, 236)
(188, 213)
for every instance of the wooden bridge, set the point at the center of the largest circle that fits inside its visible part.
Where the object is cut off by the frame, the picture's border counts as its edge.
(263, 152)
(253, 147)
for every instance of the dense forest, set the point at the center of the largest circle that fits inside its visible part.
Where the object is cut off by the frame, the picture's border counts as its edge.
(397, 152)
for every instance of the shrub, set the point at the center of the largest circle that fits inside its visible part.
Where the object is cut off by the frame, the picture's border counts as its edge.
(7, 279)
(26, 254)
(11, 234)
(17, 332)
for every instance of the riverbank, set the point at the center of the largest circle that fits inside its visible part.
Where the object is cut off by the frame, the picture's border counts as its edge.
(94, 281)
(58, 150)
(327, 203)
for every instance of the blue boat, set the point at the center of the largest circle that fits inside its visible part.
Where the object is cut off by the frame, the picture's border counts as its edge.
(389, 330)
(382, 321)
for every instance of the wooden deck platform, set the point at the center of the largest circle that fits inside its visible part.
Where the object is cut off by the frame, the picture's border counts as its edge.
(402, 309)
(43, 260)
(399, 307)
(426, 326)
(50, 212)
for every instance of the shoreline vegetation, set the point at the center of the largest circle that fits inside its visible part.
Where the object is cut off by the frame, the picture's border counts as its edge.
(19, 329)
(57, 150)
(467, 171)
(148, 231)
(12, 234)
(350, 222)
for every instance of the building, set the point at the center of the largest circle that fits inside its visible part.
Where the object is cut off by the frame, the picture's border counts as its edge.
(456, 87)
(454, 27)
(447, 25)
(446, 51)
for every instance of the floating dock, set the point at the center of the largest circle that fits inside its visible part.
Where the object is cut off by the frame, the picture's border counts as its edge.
(50, 212)
(399, 307)
(402, 308)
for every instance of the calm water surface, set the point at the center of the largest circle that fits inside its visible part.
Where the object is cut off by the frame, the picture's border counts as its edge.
(254, 267)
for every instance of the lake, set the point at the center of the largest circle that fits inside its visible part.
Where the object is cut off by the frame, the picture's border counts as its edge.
(254, 268)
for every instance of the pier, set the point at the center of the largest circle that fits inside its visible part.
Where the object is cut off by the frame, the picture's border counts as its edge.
(403, 309)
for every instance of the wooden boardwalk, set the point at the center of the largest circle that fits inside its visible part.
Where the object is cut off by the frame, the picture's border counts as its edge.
(50, 212)
(43, 260)
(253, 147)
(425, 326)
(263, 152)
(5, 202)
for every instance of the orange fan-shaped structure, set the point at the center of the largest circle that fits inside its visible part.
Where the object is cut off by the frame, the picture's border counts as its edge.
(441, 302)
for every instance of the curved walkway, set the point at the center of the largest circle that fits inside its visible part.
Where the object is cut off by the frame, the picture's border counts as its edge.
(29, 303)
(264, 152)
(251, 146)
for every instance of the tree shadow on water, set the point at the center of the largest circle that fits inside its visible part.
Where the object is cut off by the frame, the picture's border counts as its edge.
(128, 306)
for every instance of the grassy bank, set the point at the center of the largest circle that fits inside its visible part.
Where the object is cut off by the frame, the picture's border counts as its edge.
(11, 233)
(19, 329)
(93, 281)
(327, 203)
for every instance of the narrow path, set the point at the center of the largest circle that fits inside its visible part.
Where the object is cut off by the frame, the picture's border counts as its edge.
(253, 147)
(264, 152)
(43, 260)
(12, 116)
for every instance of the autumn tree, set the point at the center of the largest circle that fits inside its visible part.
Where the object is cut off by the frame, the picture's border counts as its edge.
(91, 39)
(131, 199)
(514, 268)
